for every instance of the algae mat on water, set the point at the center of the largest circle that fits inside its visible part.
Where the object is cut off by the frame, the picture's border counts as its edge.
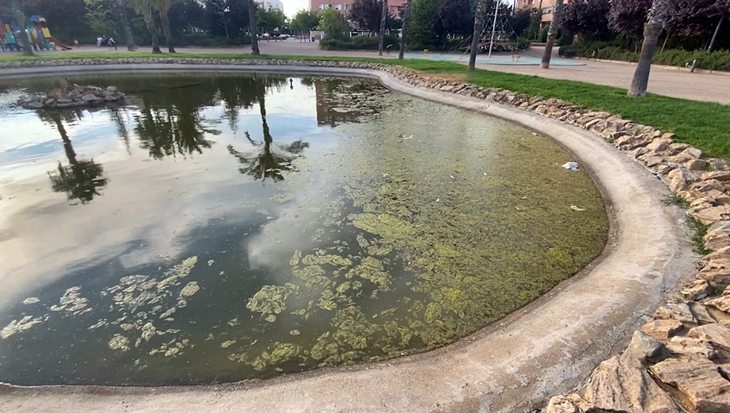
(411, 225)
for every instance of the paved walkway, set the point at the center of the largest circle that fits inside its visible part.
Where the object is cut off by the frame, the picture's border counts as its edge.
(669, 82)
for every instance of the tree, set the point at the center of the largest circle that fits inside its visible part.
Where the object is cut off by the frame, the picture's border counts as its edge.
(99, 15)
(163, 7)
(145, 7)
(80, 180)
(270, 19)
(653, 28)
(481, 11)
(268, 160)
(520, 20)
(697, 19)
(334, 24)
(628, 17)
(404, 35)
(122, 10)
(455, 17)
(424, 15)
(554, 25)
(252, 29)
(20, 17)
(383, 17)
(587, 18)
(304, 21)
(366, 14)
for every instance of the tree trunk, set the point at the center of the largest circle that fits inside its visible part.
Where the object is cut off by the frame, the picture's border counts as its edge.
(165, 19)
(552, 32)
(131, 45)
(252, 28)
(383, 18)
(652, 30)
(152, 28)
(478, 27)
(24, 40)
(404, 29)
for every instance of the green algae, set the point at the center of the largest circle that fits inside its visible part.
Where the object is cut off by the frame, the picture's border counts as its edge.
(271, 300)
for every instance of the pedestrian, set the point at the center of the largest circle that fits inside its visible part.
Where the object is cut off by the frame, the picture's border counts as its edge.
(98, 41)
(112, 43)
(76, 43)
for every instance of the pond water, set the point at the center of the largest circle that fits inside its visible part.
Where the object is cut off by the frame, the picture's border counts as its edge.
(223, 228)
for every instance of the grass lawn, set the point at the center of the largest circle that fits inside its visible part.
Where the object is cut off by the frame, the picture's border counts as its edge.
(701, 124)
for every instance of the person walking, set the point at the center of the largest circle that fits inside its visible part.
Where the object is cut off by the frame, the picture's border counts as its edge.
(112, 42)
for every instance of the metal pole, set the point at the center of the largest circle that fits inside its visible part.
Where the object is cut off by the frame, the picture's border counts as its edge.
(494, 27)
(717, 30)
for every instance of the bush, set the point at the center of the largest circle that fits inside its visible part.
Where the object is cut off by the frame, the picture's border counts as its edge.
(575, 50)
(360, 43)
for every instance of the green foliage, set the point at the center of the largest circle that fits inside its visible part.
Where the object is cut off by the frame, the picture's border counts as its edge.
(99, 15)
(360, 43)
(421, 34)
(334, 24)
(304, 21)
(270, 20)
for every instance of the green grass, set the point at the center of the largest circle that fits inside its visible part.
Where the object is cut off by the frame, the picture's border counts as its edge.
(701, 124)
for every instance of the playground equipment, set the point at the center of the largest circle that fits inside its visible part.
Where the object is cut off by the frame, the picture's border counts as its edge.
(38, 34)
(42, 35)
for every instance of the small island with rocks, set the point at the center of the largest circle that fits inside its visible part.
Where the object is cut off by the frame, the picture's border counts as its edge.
(75, 96)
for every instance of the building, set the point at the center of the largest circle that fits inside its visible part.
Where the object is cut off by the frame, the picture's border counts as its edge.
(546, 6)
(271, 4)
(345, 5)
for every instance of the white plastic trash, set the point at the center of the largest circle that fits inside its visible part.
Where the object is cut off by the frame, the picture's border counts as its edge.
(571, 166)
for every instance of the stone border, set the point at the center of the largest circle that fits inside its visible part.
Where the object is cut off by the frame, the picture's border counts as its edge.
(516, 364)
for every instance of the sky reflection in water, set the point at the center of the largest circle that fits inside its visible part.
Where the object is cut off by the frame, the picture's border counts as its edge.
(224, 228)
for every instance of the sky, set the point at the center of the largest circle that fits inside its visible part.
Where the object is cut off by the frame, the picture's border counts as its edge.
(291, 7)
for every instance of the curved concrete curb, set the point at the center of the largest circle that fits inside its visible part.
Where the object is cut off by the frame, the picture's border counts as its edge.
(548, 347)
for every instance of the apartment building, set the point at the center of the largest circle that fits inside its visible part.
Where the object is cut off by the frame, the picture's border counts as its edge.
(345, 5)
(547, 7)
(270, 4)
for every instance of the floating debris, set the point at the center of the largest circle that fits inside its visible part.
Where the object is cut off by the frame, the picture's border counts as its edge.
(228, 343)
(577, 208)
(571, 166)
(72, 302)
(31, 300)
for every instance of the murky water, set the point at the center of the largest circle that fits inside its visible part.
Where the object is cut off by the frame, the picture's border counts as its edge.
(216, 229)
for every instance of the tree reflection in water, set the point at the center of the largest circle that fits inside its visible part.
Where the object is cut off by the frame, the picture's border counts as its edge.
(81, 180)
(267, 160)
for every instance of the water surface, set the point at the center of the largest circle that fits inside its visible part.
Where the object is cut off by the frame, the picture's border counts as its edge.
(222, 228)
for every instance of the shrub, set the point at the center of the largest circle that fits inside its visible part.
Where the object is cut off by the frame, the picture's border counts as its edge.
(359, 43)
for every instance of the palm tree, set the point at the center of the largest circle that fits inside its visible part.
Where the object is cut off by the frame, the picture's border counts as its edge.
(20, 16)
(122, 10)
(652, 29)
(404, 30)
(552, 32)
(268, 160)
(145, 7)
(80, 180)
(165, 128)
(383, 17)
(163, 6)
(252, 28)
(481, 11)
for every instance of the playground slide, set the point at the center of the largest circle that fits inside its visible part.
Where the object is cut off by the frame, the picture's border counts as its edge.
(59, 44)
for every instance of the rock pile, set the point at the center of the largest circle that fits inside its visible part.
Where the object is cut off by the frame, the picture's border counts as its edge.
(72, 97)
(680, 356)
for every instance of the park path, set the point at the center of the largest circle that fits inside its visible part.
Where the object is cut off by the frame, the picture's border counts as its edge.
(708, 87)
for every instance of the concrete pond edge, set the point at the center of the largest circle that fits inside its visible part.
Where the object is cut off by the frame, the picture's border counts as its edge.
(550, 346)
